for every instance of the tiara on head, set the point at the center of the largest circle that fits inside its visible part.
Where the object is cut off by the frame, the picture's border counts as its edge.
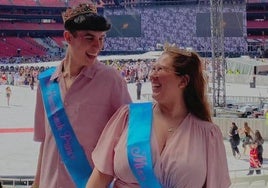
(172, 48)
(80, 9)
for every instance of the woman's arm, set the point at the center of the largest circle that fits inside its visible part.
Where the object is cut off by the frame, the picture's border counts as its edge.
(241, 131)
(230, 133)
(98, 179)
(251, 131)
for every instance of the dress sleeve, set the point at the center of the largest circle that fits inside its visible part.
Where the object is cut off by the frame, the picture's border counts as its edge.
(103, 154)
(217, 167)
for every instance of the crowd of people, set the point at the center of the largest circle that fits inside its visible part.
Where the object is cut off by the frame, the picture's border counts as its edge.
(179, 30)
(250, 139)
(21, 76)
(130, 70)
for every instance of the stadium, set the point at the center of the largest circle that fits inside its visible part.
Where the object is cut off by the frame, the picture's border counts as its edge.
(32, 31)
(31, 40)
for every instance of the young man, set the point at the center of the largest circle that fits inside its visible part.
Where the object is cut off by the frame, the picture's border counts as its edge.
(75, 101)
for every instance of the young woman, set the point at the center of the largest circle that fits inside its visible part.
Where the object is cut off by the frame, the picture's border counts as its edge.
(185, 148)
(259, 140)
(234, 140)
(247, 140)
(8, 94)
(254, 161)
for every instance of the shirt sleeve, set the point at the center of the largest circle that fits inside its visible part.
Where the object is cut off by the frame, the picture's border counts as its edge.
(39, 117)
(103, 154)
(217, 167)
(120, 93)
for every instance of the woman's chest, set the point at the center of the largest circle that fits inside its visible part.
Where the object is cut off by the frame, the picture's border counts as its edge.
(179, 161)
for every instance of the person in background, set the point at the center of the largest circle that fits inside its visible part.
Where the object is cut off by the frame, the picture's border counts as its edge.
(253, 159)
(32, 82)
(247, 131)
(8, 94)
(177, 146)
(234, 140)
(139, 86)
(259, 140)
(74, 102)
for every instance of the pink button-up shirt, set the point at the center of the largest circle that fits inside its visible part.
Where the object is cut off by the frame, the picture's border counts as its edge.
(92, 99)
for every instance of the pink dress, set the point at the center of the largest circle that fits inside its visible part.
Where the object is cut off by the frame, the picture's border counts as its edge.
(194, 155)
(90, 102)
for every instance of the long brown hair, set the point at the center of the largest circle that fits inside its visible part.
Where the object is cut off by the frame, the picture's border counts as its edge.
(189, 63)
(246, 127)
(258, 135)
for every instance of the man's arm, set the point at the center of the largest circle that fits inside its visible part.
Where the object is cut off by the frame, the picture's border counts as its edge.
(38, 169)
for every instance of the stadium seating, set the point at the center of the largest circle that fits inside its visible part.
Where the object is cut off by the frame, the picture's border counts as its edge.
(31, 26)
(257, 24)
(5, 2)
(59, 40)
(7, 50)
(180, 30)
(20, 26)
(75, 2)
(24, 3)
(153, 20)
(52, 26)
(15, 46)
(52, 3)
(33, 42)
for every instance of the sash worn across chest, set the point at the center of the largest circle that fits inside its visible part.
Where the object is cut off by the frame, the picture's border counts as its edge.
(72, 153)
(139, 144)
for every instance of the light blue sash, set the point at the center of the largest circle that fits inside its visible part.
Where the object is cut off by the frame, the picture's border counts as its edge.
(71, 151)
(139, 144)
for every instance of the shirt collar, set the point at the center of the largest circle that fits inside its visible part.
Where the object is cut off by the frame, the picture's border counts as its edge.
(86, 71)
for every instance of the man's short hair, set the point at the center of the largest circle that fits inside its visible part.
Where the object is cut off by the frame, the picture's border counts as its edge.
(84, 17)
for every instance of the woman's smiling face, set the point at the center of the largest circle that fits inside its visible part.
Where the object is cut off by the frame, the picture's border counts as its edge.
(164, 79)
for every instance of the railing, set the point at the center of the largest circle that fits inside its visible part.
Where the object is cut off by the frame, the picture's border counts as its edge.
(16, 181)
(237, 177)
(240, 177)
(239, 99)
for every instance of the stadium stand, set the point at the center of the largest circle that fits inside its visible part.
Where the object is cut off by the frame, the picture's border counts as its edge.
(257, 24)
(59, 40)
(40, 19)
(52, 3)
(32, 26)
(24, 3)
(257, 30)
(5, 2)
(23, 47)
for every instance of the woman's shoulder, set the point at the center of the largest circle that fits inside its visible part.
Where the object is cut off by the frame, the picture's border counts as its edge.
(200, 122)
(207, 126)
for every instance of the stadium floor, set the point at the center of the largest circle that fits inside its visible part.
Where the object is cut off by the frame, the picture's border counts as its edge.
(18, 151)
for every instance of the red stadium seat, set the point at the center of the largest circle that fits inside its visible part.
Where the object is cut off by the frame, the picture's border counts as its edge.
(24, 3)
(52, 3)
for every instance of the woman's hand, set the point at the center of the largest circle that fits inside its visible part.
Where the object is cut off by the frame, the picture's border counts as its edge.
(99, 179)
